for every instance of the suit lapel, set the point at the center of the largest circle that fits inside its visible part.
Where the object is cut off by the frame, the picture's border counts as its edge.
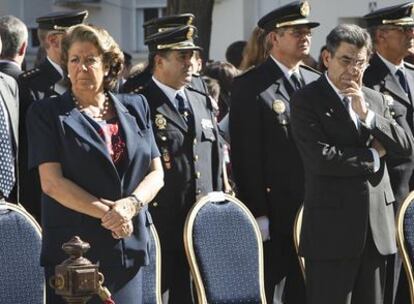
(335, 105)
(82, 127)
(163, 105)
(196, 106)
(129, 127)
(12, 108)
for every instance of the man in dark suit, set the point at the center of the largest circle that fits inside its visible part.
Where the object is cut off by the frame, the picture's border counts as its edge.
(392, 32)
(343, 131)
(266, 164)
(44, 81)
(9, 122)
(187, 137)
(14, 36)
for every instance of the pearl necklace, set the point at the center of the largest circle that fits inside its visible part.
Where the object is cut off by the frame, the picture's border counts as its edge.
(102, 112)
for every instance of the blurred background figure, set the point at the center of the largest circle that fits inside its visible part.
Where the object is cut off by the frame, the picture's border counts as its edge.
(224, 73)
(14, 35)
(256, 50)
(234, 53)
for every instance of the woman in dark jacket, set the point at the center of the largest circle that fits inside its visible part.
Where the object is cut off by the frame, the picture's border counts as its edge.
(98, 164)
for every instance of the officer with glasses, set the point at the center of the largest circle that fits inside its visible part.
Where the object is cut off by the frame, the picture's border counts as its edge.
(266, 164)
(392, 32)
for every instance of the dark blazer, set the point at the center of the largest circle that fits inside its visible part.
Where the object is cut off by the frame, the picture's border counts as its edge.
(9, 92)
(266, 164)
(58, 132)
(191, 158)
(378, 77)
(10, 69)
(343, 194)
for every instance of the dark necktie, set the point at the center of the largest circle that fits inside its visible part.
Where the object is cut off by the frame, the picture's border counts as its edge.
(403, 82)
(296, 81)
(7, 177)
(182, 107)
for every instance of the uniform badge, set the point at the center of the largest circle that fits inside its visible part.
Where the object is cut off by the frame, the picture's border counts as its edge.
(278, 106)
(305, 9)
(388, 99)
(160, 122)
(206, 123)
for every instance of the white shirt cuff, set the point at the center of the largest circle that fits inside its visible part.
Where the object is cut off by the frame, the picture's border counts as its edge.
(376, 159)
(369, 120)
(263, 223)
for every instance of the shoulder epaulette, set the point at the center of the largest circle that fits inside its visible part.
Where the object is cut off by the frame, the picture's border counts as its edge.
(30, 73)
(409, 65)
(137, 90)
(196, 90)
(246, 71)
(306, 67)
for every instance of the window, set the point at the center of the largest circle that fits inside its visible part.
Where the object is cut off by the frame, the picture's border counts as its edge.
(144, 15)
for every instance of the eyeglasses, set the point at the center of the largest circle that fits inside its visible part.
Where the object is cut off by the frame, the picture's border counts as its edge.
(90, 61)
(345, 61)
(298, 33)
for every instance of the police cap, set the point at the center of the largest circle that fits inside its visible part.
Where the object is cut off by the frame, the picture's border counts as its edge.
(292, 14)
(165, 23)
(399, 15)
(61, 20)
(179, 38)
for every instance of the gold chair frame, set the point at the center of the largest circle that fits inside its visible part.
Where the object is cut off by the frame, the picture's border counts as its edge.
(189, 247)
(401, 244)
(157, 244)
(297, 227)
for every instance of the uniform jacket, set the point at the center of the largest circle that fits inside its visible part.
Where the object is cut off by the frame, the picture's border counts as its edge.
(10, 94)
(58, 132)
(344, 198)
(378, 77)
(266, 164)
(191, 158)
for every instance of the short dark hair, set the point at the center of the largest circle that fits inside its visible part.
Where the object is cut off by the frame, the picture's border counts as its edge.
(13, 34)
(234, 52)
(349, 33)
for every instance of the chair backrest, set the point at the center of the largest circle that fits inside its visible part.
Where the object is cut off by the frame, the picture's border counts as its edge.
(405, 239)
(151, 288)
(225, 251)
(21, 276)
(297, 227)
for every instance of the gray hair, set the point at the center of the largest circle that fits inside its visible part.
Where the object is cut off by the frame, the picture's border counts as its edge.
(13, 33)
(349, 33)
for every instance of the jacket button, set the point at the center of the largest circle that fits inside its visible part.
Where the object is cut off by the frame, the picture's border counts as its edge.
(155, 204)
(197, 174)
(195, 157)
(195, 141)
(268, 189)
(198, 191)
(163, 138)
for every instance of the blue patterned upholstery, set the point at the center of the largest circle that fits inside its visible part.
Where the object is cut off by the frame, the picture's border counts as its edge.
(409, 231)
(226, 249)
(151, 288)
(21, 277)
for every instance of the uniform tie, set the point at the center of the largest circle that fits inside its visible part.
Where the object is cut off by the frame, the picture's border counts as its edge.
(7, 175)
(296, 80)
(403, 82)
(183, 108)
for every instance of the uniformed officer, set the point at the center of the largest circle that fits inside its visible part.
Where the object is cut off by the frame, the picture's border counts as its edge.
(267, 167)
(137, 81)
(187, 137)
(392, 31)
(44, 81)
